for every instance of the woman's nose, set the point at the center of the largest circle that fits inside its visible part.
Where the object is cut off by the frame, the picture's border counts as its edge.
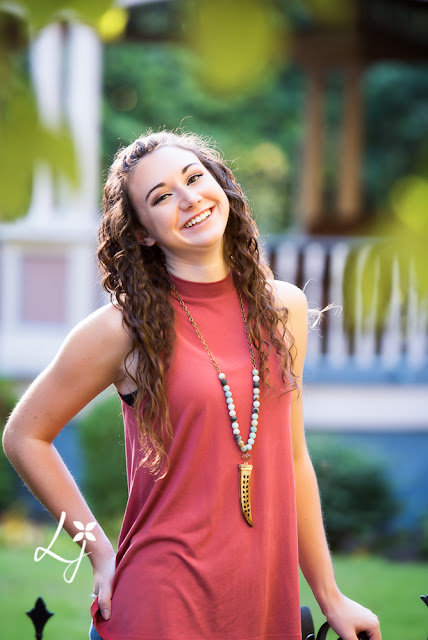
(189, 198)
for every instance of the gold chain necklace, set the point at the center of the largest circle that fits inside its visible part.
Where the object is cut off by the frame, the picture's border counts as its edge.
(245, 469)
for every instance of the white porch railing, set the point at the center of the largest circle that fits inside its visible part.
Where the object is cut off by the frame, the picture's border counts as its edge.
(395, 352)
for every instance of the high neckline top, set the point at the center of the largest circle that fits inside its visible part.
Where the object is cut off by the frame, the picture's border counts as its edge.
(204, 290)
(188, 565)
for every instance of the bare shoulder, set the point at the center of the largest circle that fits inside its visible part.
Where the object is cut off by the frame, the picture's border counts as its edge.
(107, 320)
(105, 325)
(100, 340)
(291, 297)
(90, 359)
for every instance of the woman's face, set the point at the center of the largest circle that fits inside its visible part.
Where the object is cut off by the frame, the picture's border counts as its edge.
(180, 205)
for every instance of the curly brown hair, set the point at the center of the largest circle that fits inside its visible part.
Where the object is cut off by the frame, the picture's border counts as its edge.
(135, 277)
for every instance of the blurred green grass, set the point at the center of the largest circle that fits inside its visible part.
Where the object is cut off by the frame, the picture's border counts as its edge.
(390, 589)
(23, 580)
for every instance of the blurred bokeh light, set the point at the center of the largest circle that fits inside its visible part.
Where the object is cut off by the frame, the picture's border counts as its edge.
(112, 24)
(234, 44)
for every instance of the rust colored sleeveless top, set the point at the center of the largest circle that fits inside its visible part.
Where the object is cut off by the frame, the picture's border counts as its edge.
(188, 565)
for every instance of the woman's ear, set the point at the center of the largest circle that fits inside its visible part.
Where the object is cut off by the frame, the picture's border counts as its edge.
(143, 238)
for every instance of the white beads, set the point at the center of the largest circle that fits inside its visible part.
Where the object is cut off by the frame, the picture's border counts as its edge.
(226, 388)
(232, 412)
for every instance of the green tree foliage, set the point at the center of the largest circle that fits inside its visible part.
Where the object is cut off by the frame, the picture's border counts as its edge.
(395, 175)
(9, 481)
(261, 124)
(101, 439)
(396, 129)
(153, 86)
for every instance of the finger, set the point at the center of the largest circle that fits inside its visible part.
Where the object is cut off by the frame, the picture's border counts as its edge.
(373, 633)
(104, 603)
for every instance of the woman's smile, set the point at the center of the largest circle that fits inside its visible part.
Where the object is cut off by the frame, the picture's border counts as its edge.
(198, 218)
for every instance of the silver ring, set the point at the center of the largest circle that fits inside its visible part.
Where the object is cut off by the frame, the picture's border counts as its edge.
(94, 595)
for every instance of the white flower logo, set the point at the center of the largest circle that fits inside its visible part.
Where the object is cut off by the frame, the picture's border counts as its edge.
(84, 532)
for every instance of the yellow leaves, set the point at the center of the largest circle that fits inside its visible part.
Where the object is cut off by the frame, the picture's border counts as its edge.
(112, 24)
(409, 200)
(269, 159)
(235, 43)
(25, 141)
(395, 261)
(333, 12)
(40, 13)
(408, 230)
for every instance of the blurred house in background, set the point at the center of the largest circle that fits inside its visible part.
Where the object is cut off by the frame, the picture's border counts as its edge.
(48, 269)
(365, 382)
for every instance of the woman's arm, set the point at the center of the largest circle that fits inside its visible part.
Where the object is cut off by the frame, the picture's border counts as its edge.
(91, 359)
(347, 618)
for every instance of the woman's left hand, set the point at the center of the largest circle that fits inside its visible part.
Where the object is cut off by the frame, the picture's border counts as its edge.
(348, 618)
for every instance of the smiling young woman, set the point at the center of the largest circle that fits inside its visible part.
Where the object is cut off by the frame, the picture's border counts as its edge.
(185, 215)
(207, 352)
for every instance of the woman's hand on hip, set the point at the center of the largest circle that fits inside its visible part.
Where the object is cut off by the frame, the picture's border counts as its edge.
(104, 567)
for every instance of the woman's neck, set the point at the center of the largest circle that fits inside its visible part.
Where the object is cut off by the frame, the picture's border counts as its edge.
(197, 271)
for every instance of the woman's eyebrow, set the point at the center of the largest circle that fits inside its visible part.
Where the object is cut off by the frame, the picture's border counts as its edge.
(162, 184)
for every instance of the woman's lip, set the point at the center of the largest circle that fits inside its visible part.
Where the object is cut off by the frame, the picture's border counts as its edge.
(197, 224)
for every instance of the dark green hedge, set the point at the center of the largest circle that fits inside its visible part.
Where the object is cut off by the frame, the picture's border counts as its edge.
(9, 480)
(357, 499)
(102, 445)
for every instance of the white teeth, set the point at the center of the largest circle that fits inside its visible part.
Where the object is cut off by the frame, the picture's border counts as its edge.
(197, 219)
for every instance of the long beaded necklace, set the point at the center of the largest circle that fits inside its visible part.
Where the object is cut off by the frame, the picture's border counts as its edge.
(245, 469)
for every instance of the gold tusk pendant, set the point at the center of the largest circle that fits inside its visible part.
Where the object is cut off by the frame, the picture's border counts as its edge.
(244, 491)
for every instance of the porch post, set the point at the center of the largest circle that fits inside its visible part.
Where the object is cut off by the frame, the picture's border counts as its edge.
(311, 185)
(349, 188)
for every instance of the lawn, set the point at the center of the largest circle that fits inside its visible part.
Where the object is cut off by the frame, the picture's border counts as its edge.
(391, 590)
(23, 580)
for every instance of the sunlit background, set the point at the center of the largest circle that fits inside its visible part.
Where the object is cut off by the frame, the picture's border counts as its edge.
(321, 109)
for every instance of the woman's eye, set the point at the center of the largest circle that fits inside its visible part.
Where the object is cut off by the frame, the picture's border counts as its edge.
(191, 179)
(160, 198)
(194, 177)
